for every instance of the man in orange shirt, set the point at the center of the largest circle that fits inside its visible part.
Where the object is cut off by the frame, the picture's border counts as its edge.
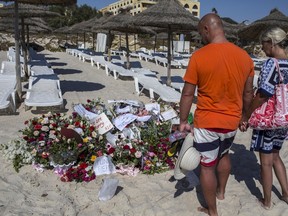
(223, 74)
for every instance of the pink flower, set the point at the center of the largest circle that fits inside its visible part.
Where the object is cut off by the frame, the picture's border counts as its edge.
(151, 154)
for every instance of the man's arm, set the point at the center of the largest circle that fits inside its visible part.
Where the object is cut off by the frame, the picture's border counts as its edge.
(186, 100)
(247, 99)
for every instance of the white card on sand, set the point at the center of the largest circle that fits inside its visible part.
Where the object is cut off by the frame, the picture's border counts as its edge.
(102, 124)
(153, 107)
(143, 118)
(123, 110)
(129, 102)
(169, 114)
(123, 120)
(84, 113)
(103, 165)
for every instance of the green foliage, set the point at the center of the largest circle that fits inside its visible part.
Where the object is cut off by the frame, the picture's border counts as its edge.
(71, 15)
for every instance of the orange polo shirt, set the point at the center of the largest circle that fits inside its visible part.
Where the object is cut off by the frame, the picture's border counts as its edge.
(220, 71)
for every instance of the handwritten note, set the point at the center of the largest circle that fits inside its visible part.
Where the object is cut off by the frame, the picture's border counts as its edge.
(123, 120)
(168, 114)
(103, 165)
(102, 124)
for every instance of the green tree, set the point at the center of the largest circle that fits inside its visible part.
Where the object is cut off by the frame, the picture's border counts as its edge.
(71, 15)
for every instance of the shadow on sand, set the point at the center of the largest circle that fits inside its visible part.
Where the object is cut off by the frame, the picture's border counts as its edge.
(66, 71)
(245, 168)
(79, 86)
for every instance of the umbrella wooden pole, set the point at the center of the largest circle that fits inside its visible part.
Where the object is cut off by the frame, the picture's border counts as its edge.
(109, 38)
(77, 41)
(127, 55)
(24, 48)
(169, 58)
(93, 41)
(135, 44)
(27, 37)
(17, 51)
(84, 38)
(120, 40)
(155, 44)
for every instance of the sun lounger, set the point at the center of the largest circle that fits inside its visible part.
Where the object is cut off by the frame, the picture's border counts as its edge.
(182, 61)
(152, 84)
(8, 92)
(101, 60)
(117, 52)
(43, 92)
(164, 62)
(8, 68)
(36, 70)
(146, 57)
(118, 70)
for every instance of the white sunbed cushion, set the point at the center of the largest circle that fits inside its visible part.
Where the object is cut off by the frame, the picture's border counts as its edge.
(43, 98)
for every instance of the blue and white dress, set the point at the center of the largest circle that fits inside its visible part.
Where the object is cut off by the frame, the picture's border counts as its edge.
(266, 140)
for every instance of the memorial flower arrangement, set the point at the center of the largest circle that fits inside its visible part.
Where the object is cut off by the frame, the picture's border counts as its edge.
(142, 143)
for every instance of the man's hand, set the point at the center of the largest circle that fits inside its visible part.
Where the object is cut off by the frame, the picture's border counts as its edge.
(185, 127)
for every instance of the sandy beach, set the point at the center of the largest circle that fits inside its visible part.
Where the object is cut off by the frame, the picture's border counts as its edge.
(33, 193)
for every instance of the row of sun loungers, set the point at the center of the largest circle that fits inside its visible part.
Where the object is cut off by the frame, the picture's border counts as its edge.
(43, 84)
(143, 78)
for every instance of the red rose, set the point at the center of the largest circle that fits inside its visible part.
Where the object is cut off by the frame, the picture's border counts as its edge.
(45, 154)
(26, 122)
(64, 178)
(83, 165)
(37, 127)
(111, 150)
(88, 101)
(77, 124)
(132, 150)
(126, 147)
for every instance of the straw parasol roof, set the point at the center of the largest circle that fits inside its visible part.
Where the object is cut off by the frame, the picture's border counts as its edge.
(16, 14)
(253, 31)
(9, 23)
(167, 13)
(122, 22)
(45, 2)
(171, 16)
(26, 10)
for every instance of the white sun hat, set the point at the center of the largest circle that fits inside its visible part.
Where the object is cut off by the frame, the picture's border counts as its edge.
(188, 158)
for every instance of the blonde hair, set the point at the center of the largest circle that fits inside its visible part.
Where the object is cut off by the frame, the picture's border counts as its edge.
(277, 36)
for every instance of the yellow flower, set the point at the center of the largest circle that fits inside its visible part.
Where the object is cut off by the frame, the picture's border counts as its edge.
(93, 158)
(85, 140)
(148, 162)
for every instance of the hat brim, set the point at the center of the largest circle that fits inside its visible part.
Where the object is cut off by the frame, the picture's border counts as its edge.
(188, 143)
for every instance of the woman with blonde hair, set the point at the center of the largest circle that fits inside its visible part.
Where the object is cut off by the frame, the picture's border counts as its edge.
(269, 142)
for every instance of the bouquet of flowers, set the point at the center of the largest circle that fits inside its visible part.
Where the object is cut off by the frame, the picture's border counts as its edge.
(142, 144)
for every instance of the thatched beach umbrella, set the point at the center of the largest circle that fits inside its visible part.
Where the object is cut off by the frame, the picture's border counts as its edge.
(122, 22)
(26, 11)
(172, 16)
(254, 30)
(16, 15)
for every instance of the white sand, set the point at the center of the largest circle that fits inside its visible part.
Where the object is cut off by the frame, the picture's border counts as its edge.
(31, 193)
